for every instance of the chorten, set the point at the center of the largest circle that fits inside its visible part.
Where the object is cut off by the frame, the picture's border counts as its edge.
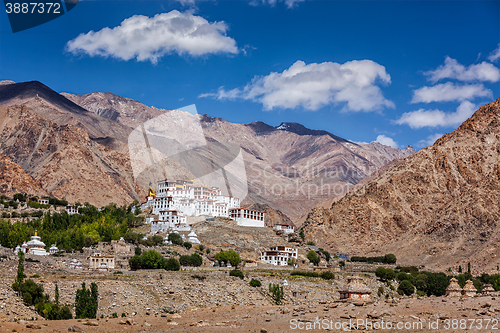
(454, 289)
(469, 289)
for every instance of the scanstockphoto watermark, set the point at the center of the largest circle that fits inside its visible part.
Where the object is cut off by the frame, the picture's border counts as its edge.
(354, 324)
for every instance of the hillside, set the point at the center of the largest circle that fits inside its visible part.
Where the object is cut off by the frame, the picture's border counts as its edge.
(438, 207)
(64, 160)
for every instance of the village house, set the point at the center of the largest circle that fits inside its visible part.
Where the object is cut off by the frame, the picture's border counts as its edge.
(100, 262)
(72, 209)
(278, 255)
(43, 201)
(247, 217)
(355, 289)
(286, 228)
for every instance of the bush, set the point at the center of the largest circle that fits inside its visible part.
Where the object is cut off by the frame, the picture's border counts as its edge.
(406, 287)
(114, 315)
(150, 259)
(380, 291)
(229, 256)
(327, 275)
(193, 260)
(135, 262)
(236, 272)
(255, 283)
(187, 245)
(311, 243)
(313, 257)
(304, 273)
(171, 265)
(175, 238)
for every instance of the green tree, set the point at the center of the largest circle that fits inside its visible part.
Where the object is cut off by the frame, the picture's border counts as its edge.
(150, 259)
(171, 265)
(302, 234)
(135, 262)
(236, 272)
(175, 238)
(230, 256)
(459, 269)
(406, 287)
(187, 245)
(137, 251)
(56, 297)
(390, 259)
(468, 268)
(255, 283)
(18, 284)
(276, 293)
(313, 257)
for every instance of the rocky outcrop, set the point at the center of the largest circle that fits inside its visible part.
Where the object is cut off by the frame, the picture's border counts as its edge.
(439, 207)
(14, 180)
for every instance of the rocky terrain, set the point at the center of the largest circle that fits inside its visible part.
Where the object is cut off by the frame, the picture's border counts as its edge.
(64, 160)
(438, 208)
(14, 180)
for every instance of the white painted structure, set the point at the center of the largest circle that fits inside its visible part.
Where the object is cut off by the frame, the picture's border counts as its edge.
(279, 255)
(193, 238)
(75, 264)
(287, 228)
(247, 217)
(35, 246)
(170, 221)
(98, 261)
(72, 209)
(53, 249)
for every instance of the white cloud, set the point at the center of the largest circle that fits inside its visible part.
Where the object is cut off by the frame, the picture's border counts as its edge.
(429, 141)
(437, 118)
(447, 92)
(385, 140)
(453, 70)
(150, 38)
(495, 55)
(315, 85)
(288, 3)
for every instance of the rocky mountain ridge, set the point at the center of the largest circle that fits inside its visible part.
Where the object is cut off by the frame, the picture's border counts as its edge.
(438, 207)
(289, 170)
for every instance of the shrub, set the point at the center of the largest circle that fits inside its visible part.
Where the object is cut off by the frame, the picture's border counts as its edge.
(117, 272)
(380, 291)
(255, 283)
(406, 287)
(201, 248)
(114, 315)
(171, 265)
(187, 245)
(124, 314)
(327, 275)
(313, 257)
(193, 260)
(236, 272)
(135, 262)
(229, 256)
(311, 243)
(304, 273)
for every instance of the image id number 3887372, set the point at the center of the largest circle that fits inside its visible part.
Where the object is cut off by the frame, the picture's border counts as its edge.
(478, 324)
(33, 7)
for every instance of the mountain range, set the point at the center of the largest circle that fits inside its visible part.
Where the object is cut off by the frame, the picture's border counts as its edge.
(76, 147)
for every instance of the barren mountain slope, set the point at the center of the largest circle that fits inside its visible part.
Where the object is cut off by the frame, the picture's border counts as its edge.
(439, 207)
(64, 159)
(14, 180)
(62, 111)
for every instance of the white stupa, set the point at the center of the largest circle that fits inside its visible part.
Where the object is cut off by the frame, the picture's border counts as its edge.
(35, 246)
(193, 238)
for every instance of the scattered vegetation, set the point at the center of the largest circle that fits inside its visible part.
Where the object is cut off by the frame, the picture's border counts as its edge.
(255, 283)
(194, 260)
(387, 259)
(237, 273)
(230, 256)
(276, 293)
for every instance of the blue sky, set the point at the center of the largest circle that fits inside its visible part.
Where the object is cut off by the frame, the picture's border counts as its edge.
(402, 72)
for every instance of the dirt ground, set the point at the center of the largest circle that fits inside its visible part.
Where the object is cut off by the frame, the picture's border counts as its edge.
(435, 314)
